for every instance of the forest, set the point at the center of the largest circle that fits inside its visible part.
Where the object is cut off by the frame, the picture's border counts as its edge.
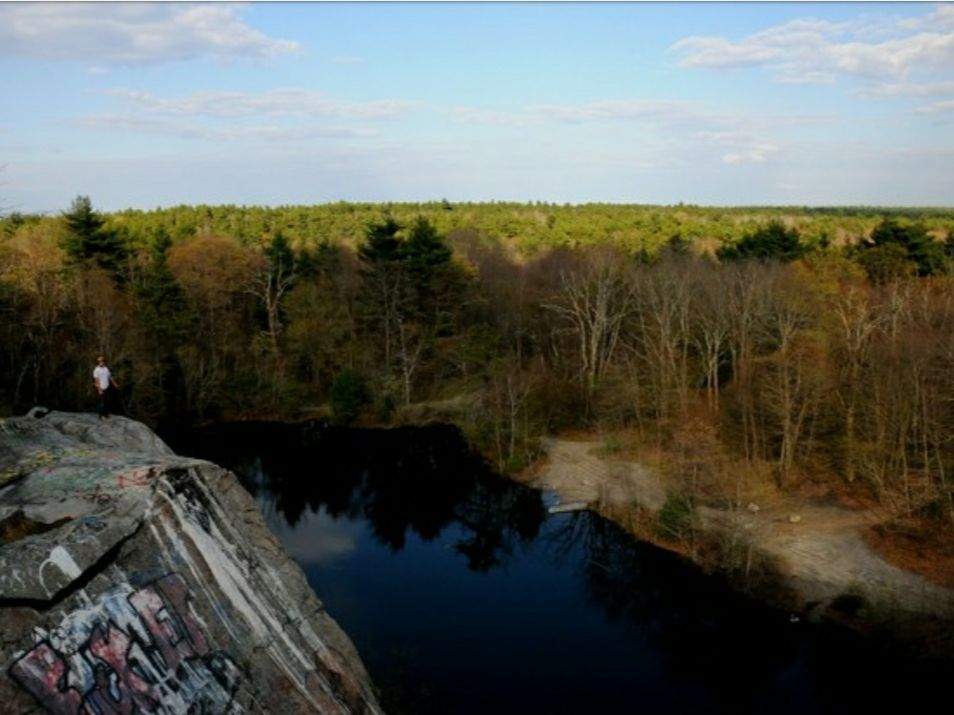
(756, 348)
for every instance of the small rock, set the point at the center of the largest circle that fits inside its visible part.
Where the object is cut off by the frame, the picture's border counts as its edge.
(754, 508)
(794, 519)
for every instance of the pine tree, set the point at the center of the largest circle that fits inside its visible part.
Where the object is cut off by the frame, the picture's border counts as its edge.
(384, 284)
(382, 244)
(88, 239)
(926, 253)
(425, 249)
(428, 263)
(770, 242)
(163, 319)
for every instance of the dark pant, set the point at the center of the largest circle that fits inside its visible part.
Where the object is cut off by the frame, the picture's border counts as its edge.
(104, 402)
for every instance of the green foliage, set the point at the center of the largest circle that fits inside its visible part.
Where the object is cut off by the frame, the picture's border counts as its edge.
(527, 227)
(410, 291)
(674, 521)
(160, 297)
(425, 249)
(163, 320)
(279, 255)
(771, 242)
(611, 445)
(348, 396)
(435, 284)
(886, 263)
(919, 247)
(14, 220)
(89, 239)
(382, 244)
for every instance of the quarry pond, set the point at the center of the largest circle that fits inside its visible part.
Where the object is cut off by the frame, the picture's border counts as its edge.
(464, 594)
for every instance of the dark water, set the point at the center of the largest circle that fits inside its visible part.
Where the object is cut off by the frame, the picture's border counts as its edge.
(464, 596)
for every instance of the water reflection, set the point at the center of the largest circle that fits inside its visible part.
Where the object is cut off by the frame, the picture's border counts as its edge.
(464, 595)
(418, 480)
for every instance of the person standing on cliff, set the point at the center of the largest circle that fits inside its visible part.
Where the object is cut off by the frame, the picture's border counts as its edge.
(104, 383)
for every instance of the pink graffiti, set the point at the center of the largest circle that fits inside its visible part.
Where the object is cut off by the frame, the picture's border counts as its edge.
(131, 690)
(135, 478)
(120, 687)
(169, 622)
(43, 671)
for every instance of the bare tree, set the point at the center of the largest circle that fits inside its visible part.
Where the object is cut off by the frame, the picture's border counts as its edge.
(711, 327)
(794, 375)
(857, 323)
(594, 300)
(659, 341)
(749, 288)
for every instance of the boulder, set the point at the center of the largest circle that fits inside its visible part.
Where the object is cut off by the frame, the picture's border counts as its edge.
(135, 580)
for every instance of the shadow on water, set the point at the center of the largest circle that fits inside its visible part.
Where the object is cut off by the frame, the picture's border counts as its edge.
(463, 594)
(399, 481)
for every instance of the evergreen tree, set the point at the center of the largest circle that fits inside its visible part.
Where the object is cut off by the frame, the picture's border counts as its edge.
(163, 321)
(425, 251)
(279, 255)
(88, 239)
(381, 244)
(770, 242)
(384, 293)
(922, 250)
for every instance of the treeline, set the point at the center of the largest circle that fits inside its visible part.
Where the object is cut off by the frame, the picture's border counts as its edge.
(799, 358)
(527, 228)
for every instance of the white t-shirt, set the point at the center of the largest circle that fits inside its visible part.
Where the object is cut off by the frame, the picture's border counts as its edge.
(102, 376)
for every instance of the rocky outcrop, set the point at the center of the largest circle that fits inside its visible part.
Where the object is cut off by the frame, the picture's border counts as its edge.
(135, 580)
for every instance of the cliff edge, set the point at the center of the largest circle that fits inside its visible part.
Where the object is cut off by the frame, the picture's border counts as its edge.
(135, 580)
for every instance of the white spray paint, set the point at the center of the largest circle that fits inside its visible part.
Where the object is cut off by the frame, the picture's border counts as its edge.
(60, 558)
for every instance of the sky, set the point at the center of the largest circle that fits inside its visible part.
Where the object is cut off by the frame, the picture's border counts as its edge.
(144, 105)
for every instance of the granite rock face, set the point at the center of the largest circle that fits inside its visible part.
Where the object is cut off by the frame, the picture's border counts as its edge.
(135, 580)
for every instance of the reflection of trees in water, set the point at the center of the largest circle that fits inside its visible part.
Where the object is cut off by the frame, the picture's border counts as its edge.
(424, 480)
(693, 618)
(400, 480)
(497, 514)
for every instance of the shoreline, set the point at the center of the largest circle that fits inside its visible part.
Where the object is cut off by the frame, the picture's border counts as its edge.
(817, 565)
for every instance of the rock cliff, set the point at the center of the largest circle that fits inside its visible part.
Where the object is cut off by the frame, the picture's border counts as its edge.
(135, 580)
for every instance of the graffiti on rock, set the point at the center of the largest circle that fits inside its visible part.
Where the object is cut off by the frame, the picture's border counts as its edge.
(132, 652)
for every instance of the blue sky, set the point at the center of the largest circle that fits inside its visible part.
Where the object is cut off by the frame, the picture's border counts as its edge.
(146, 105)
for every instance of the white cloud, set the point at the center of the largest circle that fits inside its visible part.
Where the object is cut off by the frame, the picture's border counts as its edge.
(817, 51)
(491, 117)
(677, 130)
(940, 18)
(191, 130)
(945, 106)
(627, 110)
(649, 111)
(757, 154)
(279, 115)
(889, 90)
(739, 146)
(287, 102)
(132, 33)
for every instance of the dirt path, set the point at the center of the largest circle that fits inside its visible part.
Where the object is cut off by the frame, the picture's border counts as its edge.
(822, 556)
